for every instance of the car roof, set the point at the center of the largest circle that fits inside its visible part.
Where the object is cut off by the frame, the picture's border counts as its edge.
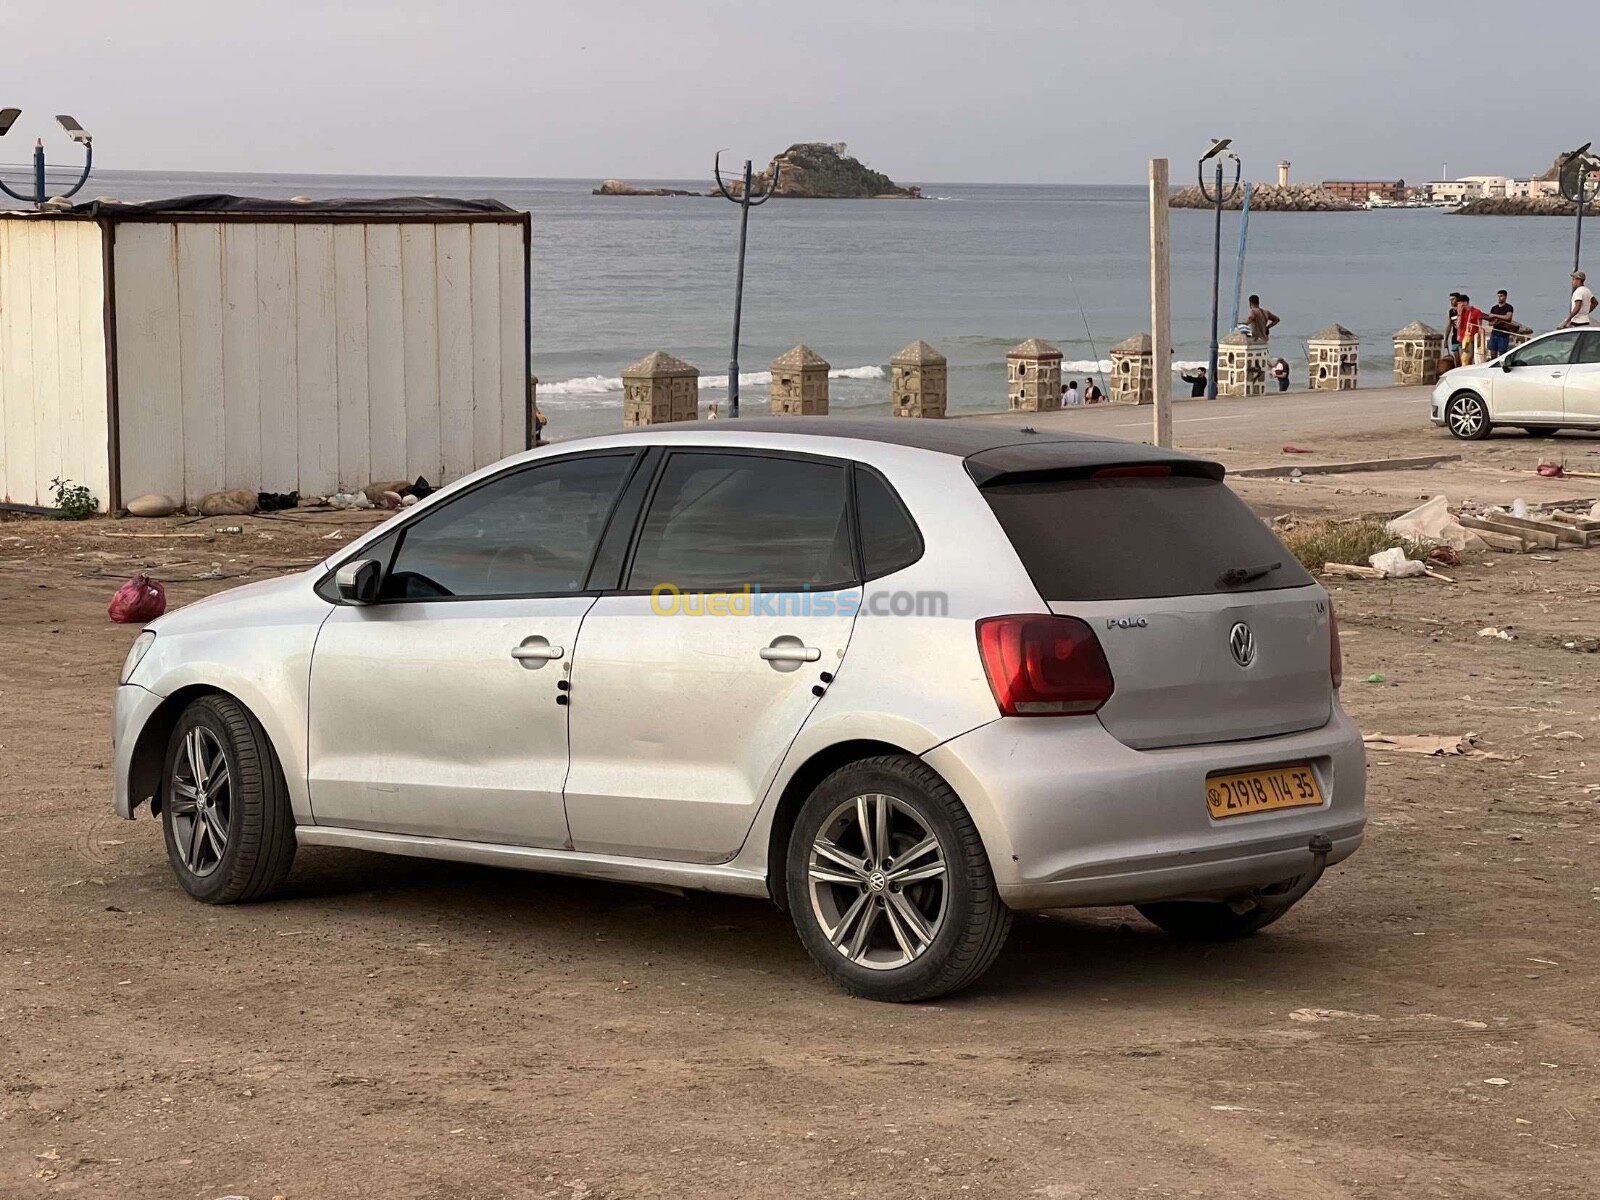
(989, 447)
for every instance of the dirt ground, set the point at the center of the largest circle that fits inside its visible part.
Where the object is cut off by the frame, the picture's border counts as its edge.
(1424, 1025)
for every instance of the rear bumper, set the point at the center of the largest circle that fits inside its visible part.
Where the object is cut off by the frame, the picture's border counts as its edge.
(1071, 817)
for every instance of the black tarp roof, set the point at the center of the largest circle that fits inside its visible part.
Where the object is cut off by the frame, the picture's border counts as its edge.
(221, 203)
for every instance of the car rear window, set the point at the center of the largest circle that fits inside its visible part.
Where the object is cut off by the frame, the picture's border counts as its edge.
(1136, 538)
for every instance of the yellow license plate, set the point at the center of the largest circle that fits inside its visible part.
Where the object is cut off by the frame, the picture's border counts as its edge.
(1241, 792)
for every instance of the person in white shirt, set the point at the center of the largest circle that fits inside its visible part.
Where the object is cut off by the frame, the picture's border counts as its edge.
(1070, 396)
(1583, 302)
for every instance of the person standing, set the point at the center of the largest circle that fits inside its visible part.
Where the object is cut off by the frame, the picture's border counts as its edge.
(1583, 302)
(1091, 392)
(1196, 380)
(1280, 372)
(1468, 321)
(1502, 318)
(1260, 320)
(1070, 396)
(1452, 343)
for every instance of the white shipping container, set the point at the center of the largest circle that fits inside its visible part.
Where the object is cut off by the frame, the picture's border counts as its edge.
(289, 347)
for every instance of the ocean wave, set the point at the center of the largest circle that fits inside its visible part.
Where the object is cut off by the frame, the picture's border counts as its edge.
(588, 386)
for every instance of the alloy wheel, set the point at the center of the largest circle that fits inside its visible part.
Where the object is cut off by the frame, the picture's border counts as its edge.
(1466, 416)
(201, 802)
(878, 881)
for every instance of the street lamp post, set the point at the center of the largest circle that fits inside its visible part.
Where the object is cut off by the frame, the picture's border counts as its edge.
(1576, 168)
(745, 203)
(75, 131)
(1218, 195)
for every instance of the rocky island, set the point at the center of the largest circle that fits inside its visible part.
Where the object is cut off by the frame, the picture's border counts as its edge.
(806, 170)
(1267, 197)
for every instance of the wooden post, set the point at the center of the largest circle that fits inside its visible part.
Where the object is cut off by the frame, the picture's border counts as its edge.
(1160, 302)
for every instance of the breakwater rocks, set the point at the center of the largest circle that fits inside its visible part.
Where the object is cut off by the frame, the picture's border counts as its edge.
(1525, 206)
(615, 187)
(1266, 197)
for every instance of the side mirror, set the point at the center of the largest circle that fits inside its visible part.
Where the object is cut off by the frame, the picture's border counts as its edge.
(359, 582)
(1506, 363)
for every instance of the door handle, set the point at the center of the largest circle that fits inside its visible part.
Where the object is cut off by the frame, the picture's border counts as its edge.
(534, 652)
(789, 650)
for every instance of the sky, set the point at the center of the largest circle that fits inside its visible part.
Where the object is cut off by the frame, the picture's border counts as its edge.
(1007, 91)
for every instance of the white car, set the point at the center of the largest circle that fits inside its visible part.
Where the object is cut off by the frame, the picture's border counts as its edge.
(1550, 383)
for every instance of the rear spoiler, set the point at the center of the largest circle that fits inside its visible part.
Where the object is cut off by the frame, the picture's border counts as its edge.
(1045, 462)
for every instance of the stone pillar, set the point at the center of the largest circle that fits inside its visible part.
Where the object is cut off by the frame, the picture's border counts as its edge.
(1333, 359)
(800, 383)
(1283, 174)
(1241, 366)
(659, 389)
(920, 381)
(1133, 379)
(1033, 373)
(1417, 349)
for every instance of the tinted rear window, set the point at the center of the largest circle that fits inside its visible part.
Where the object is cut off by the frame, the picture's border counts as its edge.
(1129, 539)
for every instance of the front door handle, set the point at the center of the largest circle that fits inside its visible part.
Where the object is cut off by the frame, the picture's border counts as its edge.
(787, 653)
(535, 651)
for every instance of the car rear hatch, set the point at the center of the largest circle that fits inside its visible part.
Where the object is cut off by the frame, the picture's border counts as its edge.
(1213, 632)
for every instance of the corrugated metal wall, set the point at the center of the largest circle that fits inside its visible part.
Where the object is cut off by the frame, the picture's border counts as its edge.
(52, 359)
(298, 356)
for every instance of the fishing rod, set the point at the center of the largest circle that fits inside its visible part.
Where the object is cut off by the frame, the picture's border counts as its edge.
(1105, 386)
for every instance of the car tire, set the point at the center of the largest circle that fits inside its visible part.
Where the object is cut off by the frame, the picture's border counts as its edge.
(1208, 920)
(928, 934)
(1466, 416)
(225, 808)
(1541, 431)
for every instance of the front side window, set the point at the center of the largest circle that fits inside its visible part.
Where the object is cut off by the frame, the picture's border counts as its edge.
(1553, 351)
(720, 521)
(1588, 348)
(530, 532)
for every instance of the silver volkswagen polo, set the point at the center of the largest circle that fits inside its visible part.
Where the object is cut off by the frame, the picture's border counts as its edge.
(903, 678)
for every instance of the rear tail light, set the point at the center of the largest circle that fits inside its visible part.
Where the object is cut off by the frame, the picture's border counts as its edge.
(1335, 651)
(1042, 666)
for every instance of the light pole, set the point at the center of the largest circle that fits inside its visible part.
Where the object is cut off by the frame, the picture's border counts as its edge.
(1575, 171)
(1218, 196)
(75, 131)
(745, 204)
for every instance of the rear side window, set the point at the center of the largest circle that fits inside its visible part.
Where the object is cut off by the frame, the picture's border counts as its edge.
(720, 521)
(1588, 348)
(1138, 538)
(889, 537)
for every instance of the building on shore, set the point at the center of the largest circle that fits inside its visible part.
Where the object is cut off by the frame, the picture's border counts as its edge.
(1361, 190)
(1488, 187)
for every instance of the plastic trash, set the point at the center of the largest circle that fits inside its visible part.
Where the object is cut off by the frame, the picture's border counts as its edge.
(139, 600)
(349, 500)
(1434, 522)
(1519, 508)
(1395, 565)
(1375, 677)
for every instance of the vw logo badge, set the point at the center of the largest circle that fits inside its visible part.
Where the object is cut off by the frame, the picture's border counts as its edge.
(1242, 644)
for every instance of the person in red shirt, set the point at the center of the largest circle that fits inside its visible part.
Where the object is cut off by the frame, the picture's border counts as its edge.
(1468, 321)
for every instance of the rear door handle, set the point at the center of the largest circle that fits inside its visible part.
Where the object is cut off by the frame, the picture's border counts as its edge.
(535, 651)
(791, 654)
(1557, 374)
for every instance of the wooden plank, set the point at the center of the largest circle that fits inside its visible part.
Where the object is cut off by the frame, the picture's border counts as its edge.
(12, 304)
(25, 483)
(1351, 571)
(200, 358)
(1576, 521)
(46, 357)
(1536, 537)
(150, 384)
(419, 284)
(241, 359)
(385, 354)
(1562, 533)
(1341, 468)
(1161, 301)
(91, 293)
(513, 334)
(1503, 541)
(275, 303)
(487, 424)
(316, 360)
(350, 314)
(69, 355)
(453, 280)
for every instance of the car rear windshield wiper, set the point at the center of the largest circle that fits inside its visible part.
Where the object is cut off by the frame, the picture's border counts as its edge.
(1239, 576)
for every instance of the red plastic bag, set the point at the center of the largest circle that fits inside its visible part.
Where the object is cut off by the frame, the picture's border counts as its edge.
(139, 600)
